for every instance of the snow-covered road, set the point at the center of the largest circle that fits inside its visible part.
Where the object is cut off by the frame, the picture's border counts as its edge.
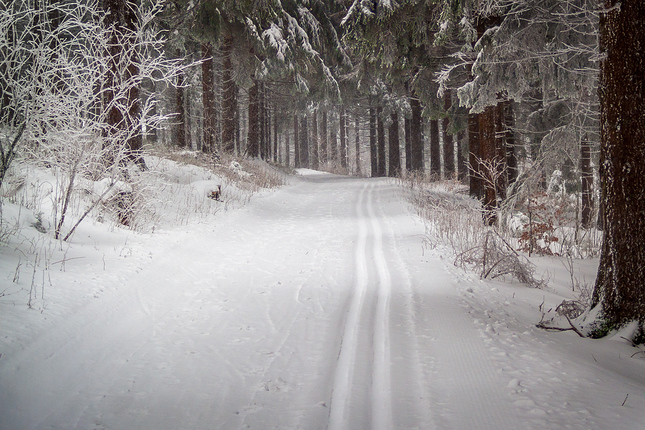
(315, 306)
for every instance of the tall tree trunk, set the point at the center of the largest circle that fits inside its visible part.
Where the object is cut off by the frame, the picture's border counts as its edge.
(180, 128)
(262, 120)
(586, 183)
(357, 137)
(395, 152)
(343, 137)
(188, 118)
(208, 98)
(380, 130)
(408, 149)
(121, 17)
(474, 154)
(619, 288)
(276, 146)
(314, 141)
(296, 142)
(287, 150)
(333, 144)
(253, 139)
(416, 139)
(435, 150)
(229, 95)
(373, 155)
(323, 138)
(462, 160)
(509, 137)
(488, 151)
(500, 157)
(304, 143)
(448, 142)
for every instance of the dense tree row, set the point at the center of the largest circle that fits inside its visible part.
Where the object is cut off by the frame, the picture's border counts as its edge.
(509, 95)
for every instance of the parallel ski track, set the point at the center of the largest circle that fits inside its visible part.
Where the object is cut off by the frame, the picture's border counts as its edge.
(380, 394)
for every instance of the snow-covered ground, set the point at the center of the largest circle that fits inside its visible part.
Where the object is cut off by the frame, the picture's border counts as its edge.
(313, 306)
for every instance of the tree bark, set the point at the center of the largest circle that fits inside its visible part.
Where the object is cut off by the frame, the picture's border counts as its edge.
(343, 137)
(408, 150)
(462, 149)
(619, 288)
(262, 120)
(373, 156)
(180, 138)
(296, 142)
(435, 150)
(323, 138)
(208, 98)
(121, 17)
(304, 143)
(488, 149)
(314, 141)
(229, 94)
(448, 142)
(474, 154)
(357, 143)
(394, 150)
(509, 144)
(333, 145)
(253, 137)
(416, 139)
(380, 129)
(586, 183)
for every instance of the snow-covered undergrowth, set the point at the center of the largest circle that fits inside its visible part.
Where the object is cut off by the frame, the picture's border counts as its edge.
(454, 223)
(176, 189)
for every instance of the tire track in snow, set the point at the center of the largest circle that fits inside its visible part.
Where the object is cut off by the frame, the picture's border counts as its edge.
(381, 390)
(380, 394)
(347, 354)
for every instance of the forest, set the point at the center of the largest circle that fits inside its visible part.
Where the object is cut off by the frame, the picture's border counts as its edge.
(536, 106)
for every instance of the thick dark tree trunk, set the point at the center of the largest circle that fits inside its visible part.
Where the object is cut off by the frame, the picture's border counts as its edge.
(343, 138)
(380, 129)
(448, 142)
(393, 142)
(314, 141)
(373, 155)
(620, 290)
(488, 151)
(229, 97)
(408, 149)
(416, 139)
(208, 98)
(435, 150)
(586, 183)
(253, 139)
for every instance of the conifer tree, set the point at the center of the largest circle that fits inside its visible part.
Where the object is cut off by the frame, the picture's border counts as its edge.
(619, 291)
